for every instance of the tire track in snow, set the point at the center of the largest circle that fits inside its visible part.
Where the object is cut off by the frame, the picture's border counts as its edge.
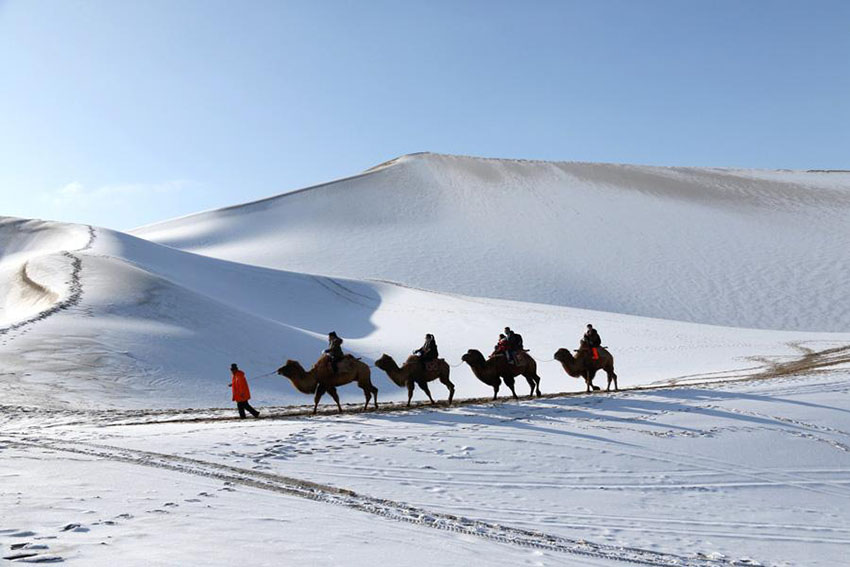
(75, 287)
(389, 509)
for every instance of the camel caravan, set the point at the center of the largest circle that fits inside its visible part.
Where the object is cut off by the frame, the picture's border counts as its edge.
(508, 360)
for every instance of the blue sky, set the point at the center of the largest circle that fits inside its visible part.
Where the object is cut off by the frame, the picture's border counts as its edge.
(121, 113)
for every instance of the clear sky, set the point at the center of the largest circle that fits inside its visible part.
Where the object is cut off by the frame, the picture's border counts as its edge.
(123, 113)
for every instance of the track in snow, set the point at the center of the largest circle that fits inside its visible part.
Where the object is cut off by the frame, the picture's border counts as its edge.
(389, 509)
(75, 286)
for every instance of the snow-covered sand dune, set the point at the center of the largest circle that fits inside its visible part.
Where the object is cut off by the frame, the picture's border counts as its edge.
(155, 326)
(93, 316)
(748, 473)
(745, 248)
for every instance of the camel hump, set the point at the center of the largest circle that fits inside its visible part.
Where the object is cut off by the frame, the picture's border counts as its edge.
(412, 359)
(430, 365)
(350, 363)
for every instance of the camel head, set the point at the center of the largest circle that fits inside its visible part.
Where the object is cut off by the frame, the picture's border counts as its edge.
(563, 354)
(290, 369)
(300, 380)
(473, 357)
(385, 363)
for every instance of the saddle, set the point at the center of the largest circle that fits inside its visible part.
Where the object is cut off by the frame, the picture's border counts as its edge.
(432, 366)
(592, 351)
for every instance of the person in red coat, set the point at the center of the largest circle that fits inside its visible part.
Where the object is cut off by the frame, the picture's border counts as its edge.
(241, 392)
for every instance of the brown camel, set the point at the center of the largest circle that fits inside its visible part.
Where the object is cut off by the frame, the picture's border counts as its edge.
(412, 374)
(321, 379)
(582, 365)
(491, 369)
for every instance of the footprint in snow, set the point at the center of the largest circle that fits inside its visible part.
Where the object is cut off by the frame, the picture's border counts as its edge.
(74, 528)
(30, 557)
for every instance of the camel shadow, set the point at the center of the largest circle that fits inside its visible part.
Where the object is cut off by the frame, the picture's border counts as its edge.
(703, 394)
(629, 410)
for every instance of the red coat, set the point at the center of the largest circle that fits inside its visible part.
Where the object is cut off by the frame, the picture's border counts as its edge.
(241, 393)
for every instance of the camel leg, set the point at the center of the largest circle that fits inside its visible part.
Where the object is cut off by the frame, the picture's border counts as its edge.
(530, 381)
(448, 384)
(375, 396)
(320, 391)
(410, 386)
(588, 381)
(534, 382)
(368, 396)
(495, 391)
(591, 374)
(511, 384)
(424, 385)
(335, 396)
(611, 376)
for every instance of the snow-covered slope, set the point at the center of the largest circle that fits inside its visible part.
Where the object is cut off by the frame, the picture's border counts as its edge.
(119, 321)
(746, 248)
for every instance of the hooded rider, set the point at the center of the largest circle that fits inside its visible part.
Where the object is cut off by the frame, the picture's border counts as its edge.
(592, 341)
(428, 351)
(591, 337)
(514, 341)
(334, 350)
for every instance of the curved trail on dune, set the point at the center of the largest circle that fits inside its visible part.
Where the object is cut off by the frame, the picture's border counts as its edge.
(75, 287)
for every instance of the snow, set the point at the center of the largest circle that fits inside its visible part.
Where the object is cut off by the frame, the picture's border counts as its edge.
(748, 473)
(743, 248)
(719, 292)
(156, 326)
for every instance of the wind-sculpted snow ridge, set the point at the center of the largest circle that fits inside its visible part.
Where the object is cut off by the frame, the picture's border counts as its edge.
(733, 247)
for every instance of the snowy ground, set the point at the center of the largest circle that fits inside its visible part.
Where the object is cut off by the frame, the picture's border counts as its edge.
(754, 472)
(108, 341)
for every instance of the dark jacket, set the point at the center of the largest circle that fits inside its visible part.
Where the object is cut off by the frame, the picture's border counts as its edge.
(428, 351)
(334, 347)
(514, 342)
(591, 337)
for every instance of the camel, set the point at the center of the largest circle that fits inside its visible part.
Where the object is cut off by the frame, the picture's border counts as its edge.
(411, 374)
(582, 365)
(321, 379)
(490, 370)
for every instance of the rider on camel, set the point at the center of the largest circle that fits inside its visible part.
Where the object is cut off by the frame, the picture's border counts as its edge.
(514, 345)
(428, 351)
(501, 346)
(592, 341)
(334, 350)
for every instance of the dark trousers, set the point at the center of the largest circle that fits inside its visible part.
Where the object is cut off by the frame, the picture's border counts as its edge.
(242, 406)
